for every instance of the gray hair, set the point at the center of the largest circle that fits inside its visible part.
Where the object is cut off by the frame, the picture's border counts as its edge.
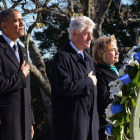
(79, 23)
(5, 14)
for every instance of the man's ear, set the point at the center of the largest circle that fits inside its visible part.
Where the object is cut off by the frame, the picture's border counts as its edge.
(74, 33)
(3, 26)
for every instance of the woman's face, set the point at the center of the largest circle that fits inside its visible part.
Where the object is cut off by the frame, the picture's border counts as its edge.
(111, 56)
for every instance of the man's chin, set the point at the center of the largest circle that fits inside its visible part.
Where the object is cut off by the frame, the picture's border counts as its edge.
(21, 34)
(87, 46)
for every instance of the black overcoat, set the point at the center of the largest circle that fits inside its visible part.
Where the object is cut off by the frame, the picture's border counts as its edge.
(104, 76)
(74, 98)
(15, 98)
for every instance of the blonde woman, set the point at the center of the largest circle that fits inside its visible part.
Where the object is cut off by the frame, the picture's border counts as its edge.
(105, 56)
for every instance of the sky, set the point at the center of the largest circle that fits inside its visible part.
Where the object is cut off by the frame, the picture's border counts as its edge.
(127, 1)
(29, 19)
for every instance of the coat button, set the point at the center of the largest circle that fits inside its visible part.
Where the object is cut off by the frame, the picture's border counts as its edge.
(89, 92)
(89, 105)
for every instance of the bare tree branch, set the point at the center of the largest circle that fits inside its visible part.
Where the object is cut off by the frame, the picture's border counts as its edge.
(46, 3)
(99, 15)
(102, 10)
(5, 4)
(1, 7)
(70, 6)
(16, 3)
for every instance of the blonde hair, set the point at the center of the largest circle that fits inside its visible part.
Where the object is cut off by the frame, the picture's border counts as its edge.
(101, 45)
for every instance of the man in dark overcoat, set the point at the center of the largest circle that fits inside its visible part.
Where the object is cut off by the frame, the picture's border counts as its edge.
(15, 98)
(74, 93)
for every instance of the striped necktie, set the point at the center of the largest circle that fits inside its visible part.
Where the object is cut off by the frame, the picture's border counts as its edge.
(15, 49)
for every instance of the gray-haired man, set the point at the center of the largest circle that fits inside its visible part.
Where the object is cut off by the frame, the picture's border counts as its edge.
(74, 93)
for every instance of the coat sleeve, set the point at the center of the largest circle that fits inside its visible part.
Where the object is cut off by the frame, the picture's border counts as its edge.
(64, 84)
(103, 90)
(32, 116)
(14, 82)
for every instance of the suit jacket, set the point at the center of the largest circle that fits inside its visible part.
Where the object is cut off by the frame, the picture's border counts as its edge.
(15, 98)
(104, 76)
(74, 98)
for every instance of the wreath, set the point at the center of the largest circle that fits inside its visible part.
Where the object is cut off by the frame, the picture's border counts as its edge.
(123, 91)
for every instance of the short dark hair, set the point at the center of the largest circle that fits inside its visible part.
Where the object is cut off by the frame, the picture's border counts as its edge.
(5, 14)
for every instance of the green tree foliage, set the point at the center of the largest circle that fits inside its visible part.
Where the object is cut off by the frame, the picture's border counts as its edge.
(53, 37)
(123, 22)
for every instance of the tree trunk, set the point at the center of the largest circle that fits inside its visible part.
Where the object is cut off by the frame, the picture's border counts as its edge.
(41, 78)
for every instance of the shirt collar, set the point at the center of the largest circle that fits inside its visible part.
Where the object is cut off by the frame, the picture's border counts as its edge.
(9, 41)
(75, 48)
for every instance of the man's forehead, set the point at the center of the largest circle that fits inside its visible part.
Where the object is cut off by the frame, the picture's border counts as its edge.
(88, 28)
(16, 13)
(19, 14)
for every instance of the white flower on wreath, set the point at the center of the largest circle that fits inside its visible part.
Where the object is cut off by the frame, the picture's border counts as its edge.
(115, 88)
(112, 84)
(133, 63)
(115, 83)
(108, 113)
(124, 66)
(130, 61)
(108, 120)
(130, 58)
(107, 134)
(121, 72)
(115, 91)
(130, 52)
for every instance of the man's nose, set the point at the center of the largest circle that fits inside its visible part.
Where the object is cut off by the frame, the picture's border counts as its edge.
(89, 37)
(21, 22)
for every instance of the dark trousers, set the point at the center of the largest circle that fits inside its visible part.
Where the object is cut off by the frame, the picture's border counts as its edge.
(0, 133)
(90, 133)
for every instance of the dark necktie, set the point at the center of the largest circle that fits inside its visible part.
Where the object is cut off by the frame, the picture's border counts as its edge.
(15, 49)
(81, 56)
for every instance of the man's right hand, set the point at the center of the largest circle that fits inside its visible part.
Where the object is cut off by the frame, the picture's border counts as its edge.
(25, 68)
(93, 78)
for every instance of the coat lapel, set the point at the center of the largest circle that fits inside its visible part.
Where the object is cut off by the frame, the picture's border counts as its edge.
(72, 52)
(23, 54)
(10, 54)
(109, 72)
